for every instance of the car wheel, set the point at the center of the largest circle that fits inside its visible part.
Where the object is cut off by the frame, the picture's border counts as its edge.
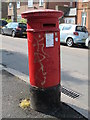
(13, 34)
(2, 32)
(89, 45)
(69, 42)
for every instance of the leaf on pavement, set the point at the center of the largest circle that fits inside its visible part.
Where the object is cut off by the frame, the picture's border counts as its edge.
(24, 103)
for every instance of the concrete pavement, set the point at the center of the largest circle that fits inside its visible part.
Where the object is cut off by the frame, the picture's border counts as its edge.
(14, 90)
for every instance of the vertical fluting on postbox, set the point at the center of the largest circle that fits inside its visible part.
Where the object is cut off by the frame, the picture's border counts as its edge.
(44, 57)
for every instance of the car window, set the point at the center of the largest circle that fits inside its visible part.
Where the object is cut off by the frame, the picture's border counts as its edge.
(0, 22)
(81, 28)
(84, 29)
(8, 25)
(14, 25)
(67, 27)
(22, 25)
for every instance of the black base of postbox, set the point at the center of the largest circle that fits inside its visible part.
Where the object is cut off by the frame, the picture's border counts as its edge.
(44, 99)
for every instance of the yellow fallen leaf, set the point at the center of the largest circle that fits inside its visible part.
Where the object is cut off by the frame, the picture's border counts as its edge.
(24, 103)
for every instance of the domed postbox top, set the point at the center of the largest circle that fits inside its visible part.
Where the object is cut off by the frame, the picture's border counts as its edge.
(46, 13)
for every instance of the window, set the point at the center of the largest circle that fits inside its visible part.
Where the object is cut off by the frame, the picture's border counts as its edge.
(84, 29)
(70, 20)
(84, 0)
(84, 16)
(22, 25)
(70, 4)
(40, 2)
(18, 4)
(81, 29)
(10, 5)
(66, 27)
(14, 25)
(9, 25)
(19, 18)
(30, 3)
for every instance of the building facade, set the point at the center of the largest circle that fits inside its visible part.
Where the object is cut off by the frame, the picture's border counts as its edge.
(66, 7)
(24, 6)
(4, 9)
(83, 13)
(69, 9)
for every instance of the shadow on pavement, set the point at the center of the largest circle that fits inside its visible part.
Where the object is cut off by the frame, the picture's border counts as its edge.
(83, 110)
(63, 111)
(65, 76)
(15, 60)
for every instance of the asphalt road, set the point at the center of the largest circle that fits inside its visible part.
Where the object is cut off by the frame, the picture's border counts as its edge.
(74, 64)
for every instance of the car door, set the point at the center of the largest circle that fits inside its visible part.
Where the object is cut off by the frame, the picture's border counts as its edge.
(85, 32)
(23, 27)
(10, 28)
(65, 32)
(7, 27)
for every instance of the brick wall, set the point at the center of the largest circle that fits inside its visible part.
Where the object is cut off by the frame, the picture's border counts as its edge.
(52, 5)
(24, 7)
(83, 7)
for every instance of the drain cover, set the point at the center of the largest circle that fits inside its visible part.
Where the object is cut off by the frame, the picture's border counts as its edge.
(69, 92)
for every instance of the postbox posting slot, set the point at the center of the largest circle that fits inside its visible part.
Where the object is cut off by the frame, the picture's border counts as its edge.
(49, 25)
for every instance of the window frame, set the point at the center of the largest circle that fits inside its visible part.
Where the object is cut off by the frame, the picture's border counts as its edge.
(10, 6)
(30, 3)
(18, 4)
(84, 17)
(84, 0)
(41, 2)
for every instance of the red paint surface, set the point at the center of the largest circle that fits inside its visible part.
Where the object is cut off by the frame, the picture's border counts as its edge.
(44, 62)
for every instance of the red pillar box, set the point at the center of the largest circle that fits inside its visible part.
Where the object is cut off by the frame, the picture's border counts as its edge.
(44, 57)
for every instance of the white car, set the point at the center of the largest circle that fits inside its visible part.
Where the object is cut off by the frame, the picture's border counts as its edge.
(73, 34)
(87, 42)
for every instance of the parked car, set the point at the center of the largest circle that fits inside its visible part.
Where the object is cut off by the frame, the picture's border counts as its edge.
(15, 29)
(2, 23)
(87, 42)
(73, 34)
